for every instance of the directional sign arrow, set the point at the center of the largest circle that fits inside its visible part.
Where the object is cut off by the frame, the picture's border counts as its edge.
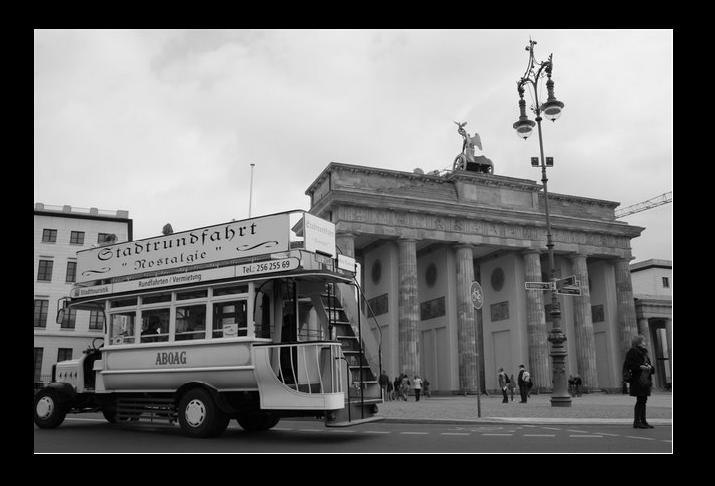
(538, 285)
(566, 281)
(569, 291)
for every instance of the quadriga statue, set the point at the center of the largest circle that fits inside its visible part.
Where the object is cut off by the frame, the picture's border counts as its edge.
(467, 161)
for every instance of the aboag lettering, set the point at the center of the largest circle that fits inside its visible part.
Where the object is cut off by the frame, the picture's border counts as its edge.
(170, 358)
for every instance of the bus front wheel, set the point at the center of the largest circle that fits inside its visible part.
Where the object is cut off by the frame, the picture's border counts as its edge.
(49, 410)
(199, 416)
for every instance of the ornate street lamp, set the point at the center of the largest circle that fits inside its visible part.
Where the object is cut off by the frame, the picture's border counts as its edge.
(551, 109)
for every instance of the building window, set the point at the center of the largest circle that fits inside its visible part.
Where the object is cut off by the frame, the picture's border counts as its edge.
(102, 237)
(69, 320)
(77, 237)
(666, 282)
(38, 365)
(44, 271)
(96, 320)
(41, 312)
(49, 235)
(71, 272)
(63, 354)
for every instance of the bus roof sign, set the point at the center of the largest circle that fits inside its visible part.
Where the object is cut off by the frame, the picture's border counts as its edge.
(238, 239)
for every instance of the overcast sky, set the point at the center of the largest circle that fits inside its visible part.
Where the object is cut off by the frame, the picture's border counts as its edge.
(165, 123)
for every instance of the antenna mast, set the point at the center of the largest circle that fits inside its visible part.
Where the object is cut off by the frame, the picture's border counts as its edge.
(250, 195)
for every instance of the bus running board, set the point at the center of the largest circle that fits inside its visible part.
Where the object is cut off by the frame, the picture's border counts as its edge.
(354, 422)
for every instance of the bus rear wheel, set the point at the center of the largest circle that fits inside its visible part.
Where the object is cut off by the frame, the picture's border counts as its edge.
(258, 421)
(49, 410)
(199, 416)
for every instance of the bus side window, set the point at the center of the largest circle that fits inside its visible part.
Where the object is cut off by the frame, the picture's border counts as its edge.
(155, 325)
(121, 330)
(262, 316)
(230, 319)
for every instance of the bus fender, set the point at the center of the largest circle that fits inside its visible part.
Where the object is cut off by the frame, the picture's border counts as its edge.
(218, 398)
(65, 392)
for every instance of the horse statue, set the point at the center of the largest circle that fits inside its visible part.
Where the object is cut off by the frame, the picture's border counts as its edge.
(467, 161)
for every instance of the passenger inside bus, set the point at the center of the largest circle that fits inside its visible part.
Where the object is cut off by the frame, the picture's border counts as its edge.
(155, 325)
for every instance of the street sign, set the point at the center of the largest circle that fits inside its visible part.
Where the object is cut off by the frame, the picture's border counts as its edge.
(566, 281)
(534, 161)
(549, 161)
(538, 285)
(477, 295)
(569, 290)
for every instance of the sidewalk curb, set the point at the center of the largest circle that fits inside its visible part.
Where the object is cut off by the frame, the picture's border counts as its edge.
(525, 420)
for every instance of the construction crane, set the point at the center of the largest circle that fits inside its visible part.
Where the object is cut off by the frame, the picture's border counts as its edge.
(642, 206)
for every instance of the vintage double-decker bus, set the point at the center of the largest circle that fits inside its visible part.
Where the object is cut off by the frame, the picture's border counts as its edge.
(254, 320)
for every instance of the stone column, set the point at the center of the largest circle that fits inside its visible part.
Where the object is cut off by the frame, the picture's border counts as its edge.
(644, 330)
(346, 243)
(626, 307)
(466, 340)
(536, 331)
(408, 313)
(583, 326)
(669, 337)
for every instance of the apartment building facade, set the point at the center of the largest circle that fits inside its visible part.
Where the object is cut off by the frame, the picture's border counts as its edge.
(59, 232)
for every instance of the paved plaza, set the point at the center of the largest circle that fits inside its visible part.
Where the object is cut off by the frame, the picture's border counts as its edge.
(593, 408)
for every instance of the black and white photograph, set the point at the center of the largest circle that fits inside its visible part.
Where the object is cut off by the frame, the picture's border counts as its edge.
(353, 241)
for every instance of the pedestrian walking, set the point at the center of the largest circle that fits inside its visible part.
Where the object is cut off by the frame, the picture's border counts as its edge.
(417, 385)
(577, 385)
(383, 381)
(405, 387)
(398, 383)
(524, 381)
(390, 391)
(425, 388)
(571, 392)
(511, 385)
(503, 384)
(638, 372)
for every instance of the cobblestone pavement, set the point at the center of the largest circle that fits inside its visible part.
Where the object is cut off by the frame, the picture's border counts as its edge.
(593, 407)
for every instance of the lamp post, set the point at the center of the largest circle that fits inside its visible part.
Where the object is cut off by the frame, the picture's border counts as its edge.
(551, 109)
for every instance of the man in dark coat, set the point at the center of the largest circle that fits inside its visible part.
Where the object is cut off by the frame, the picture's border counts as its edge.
(384, 380)
(638, 372)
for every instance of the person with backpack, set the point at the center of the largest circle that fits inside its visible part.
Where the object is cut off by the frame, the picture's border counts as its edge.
(503, 384)
(524, 381)
(638, 371)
